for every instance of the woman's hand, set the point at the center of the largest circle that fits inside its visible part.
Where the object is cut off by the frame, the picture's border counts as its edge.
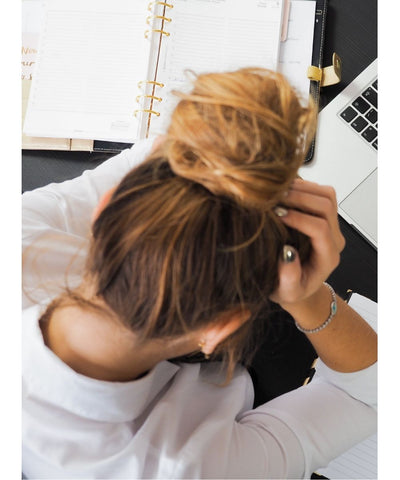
(312, 210)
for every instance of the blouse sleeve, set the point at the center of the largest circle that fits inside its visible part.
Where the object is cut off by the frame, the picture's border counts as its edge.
(303, 430)
(56, 223)
(307, 428)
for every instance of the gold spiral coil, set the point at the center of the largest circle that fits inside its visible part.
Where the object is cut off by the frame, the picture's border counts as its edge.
(161, 17)
(163, 32)
(165, 4)
(151, 82)
(159, 99)
(151, 112)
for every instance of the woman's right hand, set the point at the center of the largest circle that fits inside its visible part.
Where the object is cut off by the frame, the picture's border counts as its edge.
(351, 344)
(312, 210)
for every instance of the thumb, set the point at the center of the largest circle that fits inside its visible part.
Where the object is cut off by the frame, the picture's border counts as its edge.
(290, 274)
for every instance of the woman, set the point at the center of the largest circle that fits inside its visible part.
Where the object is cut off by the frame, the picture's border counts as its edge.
(190, 245)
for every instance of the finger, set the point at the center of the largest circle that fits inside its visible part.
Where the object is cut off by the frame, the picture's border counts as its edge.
(321, 206)
(326, 251)
(315, 188)
(290, 275)
(310, 203)
(322, 193)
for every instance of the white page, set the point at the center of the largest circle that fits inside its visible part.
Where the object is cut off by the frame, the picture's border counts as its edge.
(218, 35)
(91, 57)
(31, 20)
(223, 35)
(296, 52)
(360, 462)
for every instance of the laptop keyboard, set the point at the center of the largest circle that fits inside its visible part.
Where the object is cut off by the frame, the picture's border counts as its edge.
(362, 114)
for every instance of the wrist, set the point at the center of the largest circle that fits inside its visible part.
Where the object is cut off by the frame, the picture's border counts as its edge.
(315, 312)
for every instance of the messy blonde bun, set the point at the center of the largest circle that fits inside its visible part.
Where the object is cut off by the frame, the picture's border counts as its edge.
(189, 234)
(243, 135)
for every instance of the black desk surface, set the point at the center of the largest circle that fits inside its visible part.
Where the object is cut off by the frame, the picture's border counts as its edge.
(351, 32)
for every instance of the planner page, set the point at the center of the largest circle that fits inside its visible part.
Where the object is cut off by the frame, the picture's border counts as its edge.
(358, 463)
(31, 21)
(215, 35)
(92, 54)
(296, 51)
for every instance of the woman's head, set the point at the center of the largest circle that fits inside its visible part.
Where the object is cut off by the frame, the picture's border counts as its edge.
(190, 234)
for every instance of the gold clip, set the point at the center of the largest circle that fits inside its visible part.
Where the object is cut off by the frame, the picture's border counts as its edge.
(329, 75)
(314, 73)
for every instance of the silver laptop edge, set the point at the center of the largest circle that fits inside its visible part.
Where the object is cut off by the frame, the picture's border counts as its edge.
(343, 159)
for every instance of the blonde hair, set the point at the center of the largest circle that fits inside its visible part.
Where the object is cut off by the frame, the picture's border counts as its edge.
(190, 233)
(241, 134)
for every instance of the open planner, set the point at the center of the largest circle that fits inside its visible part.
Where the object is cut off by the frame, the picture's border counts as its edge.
(105, 72)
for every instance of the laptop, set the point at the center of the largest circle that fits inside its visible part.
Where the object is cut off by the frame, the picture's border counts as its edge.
(346, 148)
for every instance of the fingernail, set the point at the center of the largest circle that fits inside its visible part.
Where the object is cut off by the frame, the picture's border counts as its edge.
(280, 211)
(288, 254)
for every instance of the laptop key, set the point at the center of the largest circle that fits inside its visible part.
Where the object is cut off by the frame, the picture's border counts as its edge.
(359, 124)
(375, 84)
(375, 144)
(371, 96)
(361, 105)
(369, 133)
(348, 114)
(372, 115)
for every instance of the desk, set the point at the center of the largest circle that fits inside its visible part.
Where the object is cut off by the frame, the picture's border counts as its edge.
(351, 31)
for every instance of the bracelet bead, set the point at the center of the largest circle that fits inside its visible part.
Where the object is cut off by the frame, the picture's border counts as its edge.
(333, 310)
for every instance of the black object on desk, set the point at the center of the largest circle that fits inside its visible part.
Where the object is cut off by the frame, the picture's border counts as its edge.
(351, 32)
(41, 167)
(358, 267)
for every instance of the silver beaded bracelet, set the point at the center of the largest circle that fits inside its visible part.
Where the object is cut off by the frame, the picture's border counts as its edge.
(328, 320)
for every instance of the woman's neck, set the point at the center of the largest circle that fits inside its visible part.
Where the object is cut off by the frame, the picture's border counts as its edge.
(101, 347)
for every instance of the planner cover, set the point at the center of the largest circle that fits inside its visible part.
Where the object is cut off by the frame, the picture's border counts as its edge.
(321, 11)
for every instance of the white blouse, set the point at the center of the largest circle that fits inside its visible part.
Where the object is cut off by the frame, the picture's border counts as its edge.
(177, 421)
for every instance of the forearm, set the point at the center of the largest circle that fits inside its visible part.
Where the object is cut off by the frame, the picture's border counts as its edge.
(348, 343)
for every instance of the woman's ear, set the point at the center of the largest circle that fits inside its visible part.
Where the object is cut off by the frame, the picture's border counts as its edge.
(218, 332)
(105, 198)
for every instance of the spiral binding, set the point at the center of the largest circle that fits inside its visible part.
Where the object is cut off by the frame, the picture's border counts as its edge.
(154, 83)
(161, 17)
(153, 97)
